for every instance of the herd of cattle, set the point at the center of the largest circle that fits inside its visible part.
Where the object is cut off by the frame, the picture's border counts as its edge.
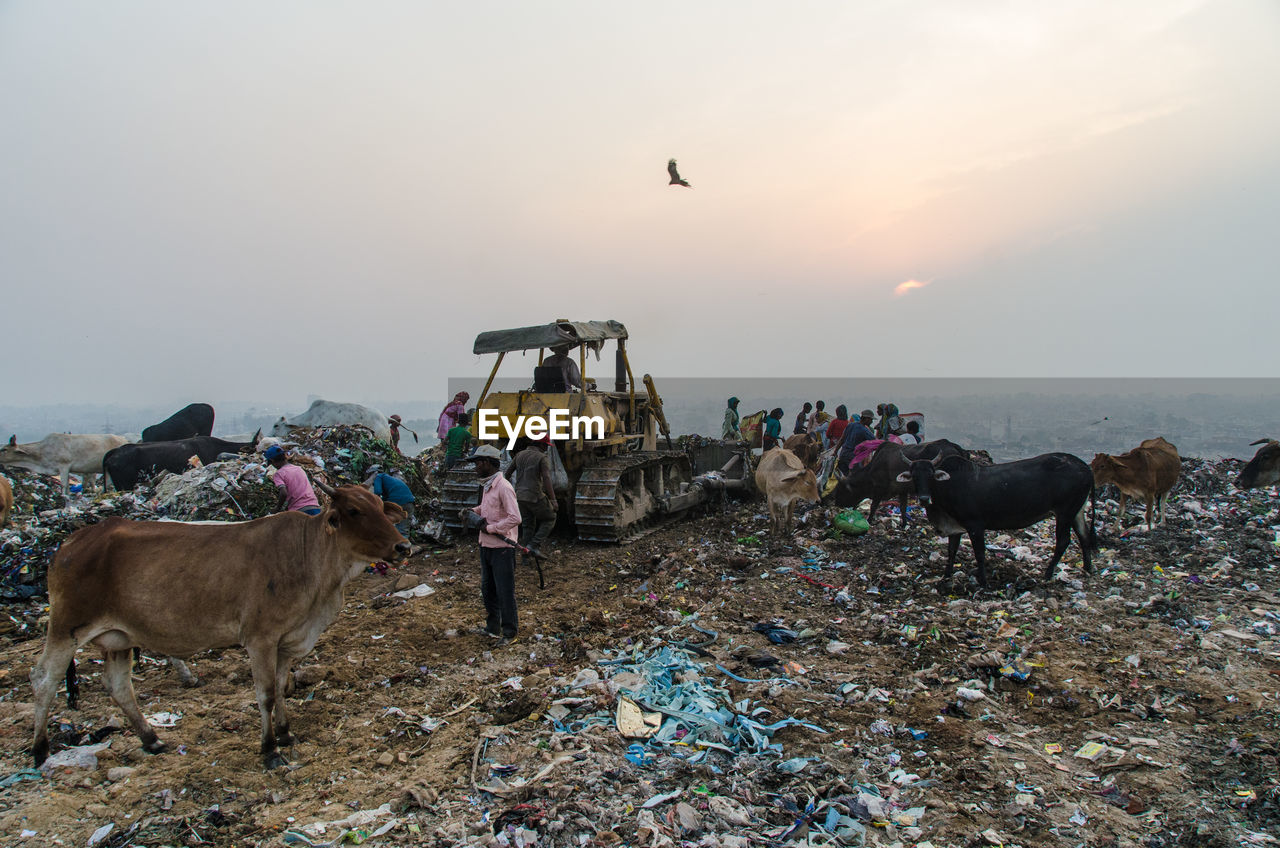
(278, 581)
(962, 494)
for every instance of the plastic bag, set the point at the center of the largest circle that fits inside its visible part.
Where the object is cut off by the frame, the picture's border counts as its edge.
(852, 521)
(559, 477)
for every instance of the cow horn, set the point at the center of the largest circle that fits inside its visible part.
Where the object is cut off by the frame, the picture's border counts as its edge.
(1259, 442)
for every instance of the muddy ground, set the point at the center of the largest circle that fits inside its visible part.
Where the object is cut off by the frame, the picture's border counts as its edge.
(1166, 658)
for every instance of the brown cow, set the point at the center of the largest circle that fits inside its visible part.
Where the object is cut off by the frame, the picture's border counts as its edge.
(806, 447)
(272, 585)
(1264, 468)
(784, 480)
(6, 500)
(1148, 471)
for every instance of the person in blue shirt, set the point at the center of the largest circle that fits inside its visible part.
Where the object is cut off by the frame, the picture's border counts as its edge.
(855, 434)
(773, 429)
(392, 488)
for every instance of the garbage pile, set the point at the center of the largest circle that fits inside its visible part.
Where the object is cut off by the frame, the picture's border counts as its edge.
(233, 489)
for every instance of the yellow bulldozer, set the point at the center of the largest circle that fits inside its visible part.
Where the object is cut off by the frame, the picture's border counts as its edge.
(622, 474)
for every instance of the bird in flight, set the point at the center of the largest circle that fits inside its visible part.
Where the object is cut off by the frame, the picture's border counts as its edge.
(675, 175)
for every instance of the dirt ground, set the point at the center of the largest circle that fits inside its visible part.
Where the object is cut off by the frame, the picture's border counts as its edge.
(1166, 657)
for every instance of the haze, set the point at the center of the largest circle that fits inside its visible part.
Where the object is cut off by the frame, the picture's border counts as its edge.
(205, 201)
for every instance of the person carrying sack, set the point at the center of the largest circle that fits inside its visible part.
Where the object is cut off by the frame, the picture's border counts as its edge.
(535, 494)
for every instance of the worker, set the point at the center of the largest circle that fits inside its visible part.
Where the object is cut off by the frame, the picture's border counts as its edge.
(457, 441)
(393, 489)
(497, 519)
(296, 494)
(731, 429)
(802, 420)
(535, 494)
(560, 358)
(773, 428)
(855, 434)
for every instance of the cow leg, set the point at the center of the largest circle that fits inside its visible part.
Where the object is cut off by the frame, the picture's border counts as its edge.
(953, 548)
(118, 674)
(184, 672)
(902, 510)
(73, 685)
(1061, 538)
(50, 668)
(787, 512)
(283, 737)
(875, 505)
(978, 538)
(1080, 524)
(1150, 505)
(263, 663)
(1120, 514)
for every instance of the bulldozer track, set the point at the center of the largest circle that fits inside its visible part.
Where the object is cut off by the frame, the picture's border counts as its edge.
(617, 500)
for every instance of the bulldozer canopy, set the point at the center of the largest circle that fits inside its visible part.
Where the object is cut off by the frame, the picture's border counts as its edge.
(591, 333)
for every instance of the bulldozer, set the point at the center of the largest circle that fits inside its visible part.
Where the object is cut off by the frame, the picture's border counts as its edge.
(622, 478)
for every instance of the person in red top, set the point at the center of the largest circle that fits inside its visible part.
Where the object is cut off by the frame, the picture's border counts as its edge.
(835, 430)
(498, 519)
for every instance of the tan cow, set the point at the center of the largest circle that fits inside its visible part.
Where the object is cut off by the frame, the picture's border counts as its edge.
(272, 585)
(806, 447)
(62, 454)
(6, 500)
(784, 480)
(1148, 471)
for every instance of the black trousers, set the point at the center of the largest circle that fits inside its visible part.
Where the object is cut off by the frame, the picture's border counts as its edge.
(498, 588)
(537, 520)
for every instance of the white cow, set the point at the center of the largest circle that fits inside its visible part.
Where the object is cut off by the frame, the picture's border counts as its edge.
(327, 413)
(61, 454)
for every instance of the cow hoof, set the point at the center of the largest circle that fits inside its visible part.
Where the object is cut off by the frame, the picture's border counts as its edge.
(273, 761)
(286, 739)
(156, 747)
(191, 682)
(40, 753)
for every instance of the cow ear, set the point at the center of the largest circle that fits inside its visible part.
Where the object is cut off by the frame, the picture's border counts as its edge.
(904, 477)
(941, 475)
(394, 512)
(331, 521)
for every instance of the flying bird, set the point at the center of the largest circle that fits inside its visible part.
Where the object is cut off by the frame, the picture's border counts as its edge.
(675, 175)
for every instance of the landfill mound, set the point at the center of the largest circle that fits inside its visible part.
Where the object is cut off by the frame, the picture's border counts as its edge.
(236, 488)
(713, 685)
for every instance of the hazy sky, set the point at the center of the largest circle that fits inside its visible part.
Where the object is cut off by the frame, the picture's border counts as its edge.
(247, 200)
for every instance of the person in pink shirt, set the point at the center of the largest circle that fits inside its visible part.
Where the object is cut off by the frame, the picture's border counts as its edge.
(294, 485)
(498, 519)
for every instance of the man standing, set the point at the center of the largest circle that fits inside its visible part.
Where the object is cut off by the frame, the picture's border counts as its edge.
(535, 494)
(731, 430)
(394, 423)
(295, 493)
(498, 517)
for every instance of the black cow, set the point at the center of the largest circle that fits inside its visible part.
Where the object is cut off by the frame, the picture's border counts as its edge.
(878, 479)
(963, 497)
(194, 419)
(1264, 468)
(125, 464)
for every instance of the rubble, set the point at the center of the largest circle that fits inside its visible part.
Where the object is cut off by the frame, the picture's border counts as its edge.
(713, 684)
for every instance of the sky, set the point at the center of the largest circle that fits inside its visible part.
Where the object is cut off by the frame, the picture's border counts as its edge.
(265, 201)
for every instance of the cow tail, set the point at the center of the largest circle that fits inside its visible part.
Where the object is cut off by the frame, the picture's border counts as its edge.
(1093, 518)
(106, 479)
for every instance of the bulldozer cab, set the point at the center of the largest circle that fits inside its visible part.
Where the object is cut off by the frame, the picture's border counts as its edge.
(568, 352)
